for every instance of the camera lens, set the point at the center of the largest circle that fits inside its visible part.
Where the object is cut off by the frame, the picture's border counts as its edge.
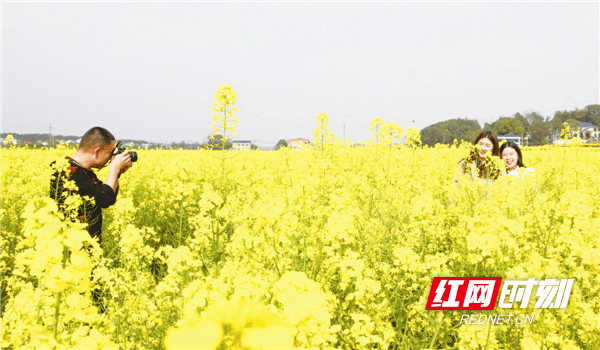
(133, 156)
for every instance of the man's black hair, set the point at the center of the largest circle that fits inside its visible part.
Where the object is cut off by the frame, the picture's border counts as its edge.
(96, 136)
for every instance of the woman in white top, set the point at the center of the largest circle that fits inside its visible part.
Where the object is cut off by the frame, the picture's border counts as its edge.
(511, 154)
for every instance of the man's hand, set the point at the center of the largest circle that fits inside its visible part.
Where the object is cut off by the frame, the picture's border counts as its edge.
(127, 165)
(124, 169)
(120, 163)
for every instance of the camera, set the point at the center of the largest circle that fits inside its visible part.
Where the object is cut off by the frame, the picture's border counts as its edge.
(118, 150)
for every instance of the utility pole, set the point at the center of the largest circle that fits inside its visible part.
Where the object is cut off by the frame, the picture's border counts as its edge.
(344, 132)
(50, 141)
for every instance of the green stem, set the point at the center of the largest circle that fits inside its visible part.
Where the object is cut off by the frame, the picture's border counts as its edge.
(56, 315)
(437, 331)
(180, 224)
(59, 297)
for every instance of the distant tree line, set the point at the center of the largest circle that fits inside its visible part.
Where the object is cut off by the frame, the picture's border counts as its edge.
(215, 142)
(46, 140)
(49, 139)
(533, 125)
(447, 131)
(40, 139)
(281, 143)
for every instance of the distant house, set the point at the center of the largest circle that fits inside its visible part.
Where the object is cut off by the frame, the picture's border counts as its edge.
(296, 144)
(585, 131)
(555, 136)
(14, 141)
(510, 138)
(241, 145)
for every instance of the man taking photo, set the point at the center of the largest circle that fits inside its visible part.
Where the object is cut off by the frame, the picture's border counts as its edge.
(96, 150)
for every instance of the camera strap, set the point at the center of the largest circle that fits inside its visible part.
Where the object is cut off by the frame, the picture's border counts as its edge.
(76, 163)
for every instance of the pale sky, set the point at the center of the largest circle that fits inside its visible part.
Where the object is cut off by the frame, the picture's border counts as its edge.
(149, 70)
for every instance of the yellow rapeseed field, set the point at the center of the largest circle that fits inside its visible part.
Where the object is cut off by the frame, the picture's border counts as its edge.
(328, 247)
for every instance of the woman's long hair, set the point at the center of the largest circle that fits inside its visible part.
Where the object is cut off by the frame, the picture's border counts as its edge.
(516, 148)
(487, 169)
(490, 135)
